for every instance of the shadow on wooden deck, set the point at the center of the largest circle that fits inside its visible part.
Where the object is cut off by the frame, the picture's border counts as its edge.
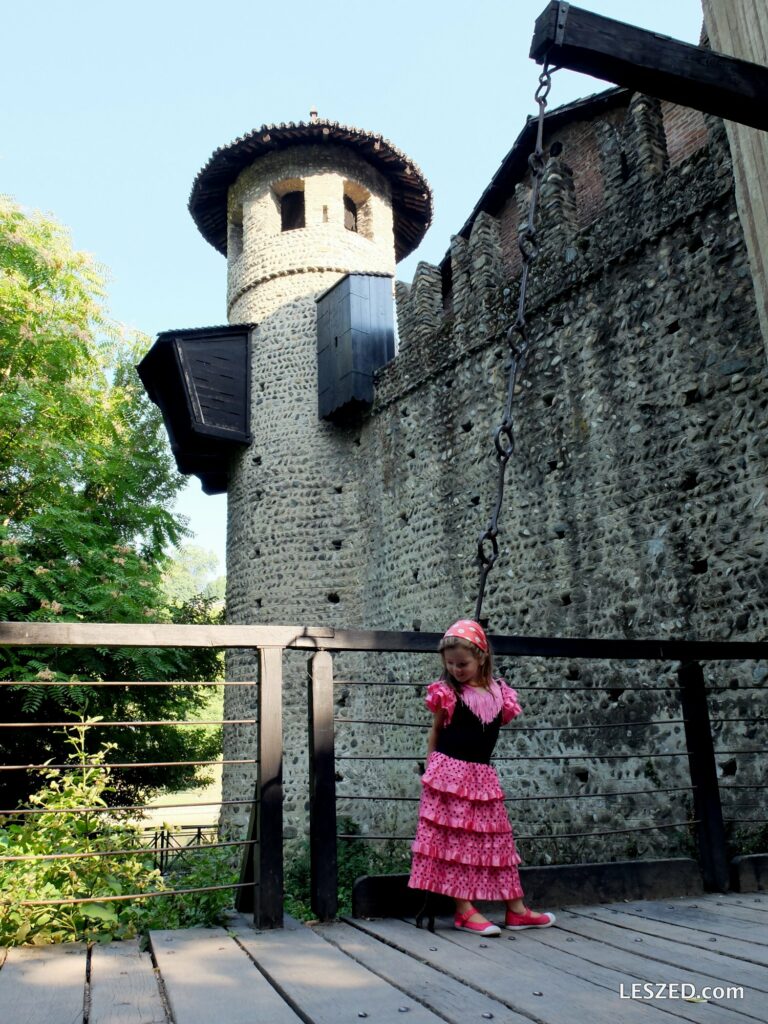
(585, 969)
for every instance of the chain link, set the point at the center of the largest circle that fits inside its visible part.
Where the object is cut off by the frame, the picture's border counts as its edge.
(519, 345)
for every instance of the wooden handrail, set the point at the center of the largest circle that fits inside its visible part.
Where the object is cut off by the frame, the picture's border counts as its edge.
(93, 634)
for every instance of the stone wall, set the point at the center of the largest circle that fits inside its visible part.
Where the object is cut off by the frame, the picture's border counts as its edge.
(635, 506)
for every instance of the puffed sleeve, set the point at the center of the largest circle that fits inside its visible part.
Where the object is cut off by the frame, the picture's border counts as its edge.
(510, 705)
(441, 697)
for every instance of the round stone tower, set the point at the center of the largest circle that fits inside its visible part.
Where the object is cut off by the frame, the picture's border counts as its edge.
(296, 208)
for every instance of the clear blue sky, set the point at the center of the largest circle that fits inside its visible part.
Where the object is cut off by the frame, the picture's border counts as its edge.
(109, 109)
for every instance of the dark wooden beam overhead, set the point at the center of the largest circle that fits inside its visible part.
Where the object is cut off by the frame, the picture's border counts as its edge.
(650, 63)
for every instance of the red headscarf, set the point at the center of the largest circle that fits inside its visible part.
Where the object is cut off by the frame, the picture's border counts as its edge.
(468, 629)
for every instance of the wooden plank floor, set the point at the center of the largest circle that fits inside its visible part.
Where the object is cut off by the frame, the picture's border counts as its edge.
(598, 965)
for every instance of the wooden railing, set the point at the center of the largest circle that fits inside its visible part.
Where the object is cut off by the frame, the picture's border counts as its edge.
(260, 890)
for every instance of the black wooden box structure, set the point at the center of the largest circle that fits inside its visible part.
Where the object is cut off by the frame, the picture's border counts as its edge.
(200, 379)
(355, 338)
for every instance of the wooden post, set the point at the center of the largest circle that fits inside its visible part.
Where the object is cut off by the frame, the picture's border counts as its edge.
(651, 63)
(710, 830)
(322, 789)
(263, 861)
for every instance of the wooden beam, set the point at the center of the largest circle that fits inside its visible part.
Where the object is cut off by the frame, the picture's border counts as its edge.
(651, 63)
(326, 638)
(268, 896)
(710, 829)
(322, 789)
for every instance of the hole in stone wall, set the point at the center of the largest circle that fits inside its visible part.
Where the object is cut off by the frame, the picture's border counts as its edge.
(582, 774)
(674, 326)
(258, 602)
(624, 167)
(689, 481)
(691, 397)
(615, 693)
(416, 575)
(556, 149)
(733, 684)
(412, 453)
(338, 490)
(256, 460)
(333, 598)
(729, 767)
(695, 242)
(325, 215)
(699, 566)
(466, 427)
(560, 531)
(573, 672)
(548, 399)
(552, 465)
(337, 544)
(565, 599)
(741, 622)
(475, 500)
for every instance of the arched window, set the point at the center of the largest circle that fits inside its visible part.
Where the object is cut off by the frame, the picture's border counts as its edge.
(292, 211)
(350, 214)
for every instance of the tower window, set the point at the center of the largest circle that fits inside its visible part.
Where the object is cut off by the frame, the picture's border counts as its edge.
(350, 214)
(292, 211)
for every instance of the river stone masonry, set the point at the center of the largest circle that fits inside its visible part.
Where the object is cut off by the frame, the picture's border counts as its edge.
(635, 505)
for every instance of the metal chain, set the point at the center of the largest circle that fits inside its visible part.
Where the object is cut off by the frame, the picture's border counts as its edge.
(519, 345)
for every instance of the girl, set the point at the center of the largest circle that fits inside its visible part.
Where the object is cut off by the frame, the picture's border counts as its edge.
(464, 846)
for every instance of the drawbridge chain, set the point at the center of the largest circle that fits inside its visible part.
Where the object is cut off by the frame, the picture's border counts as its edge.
(519, 345)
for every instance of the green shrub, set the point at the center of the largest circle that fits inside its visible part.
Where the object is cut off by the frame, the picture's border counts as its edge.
(121, 868)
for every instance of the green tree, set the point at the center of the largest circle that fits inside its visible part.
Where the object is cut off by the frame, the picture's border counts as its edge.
(86, 487)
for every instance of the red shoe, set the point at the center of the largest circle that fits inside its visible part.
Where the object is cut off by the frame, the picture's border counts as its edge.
(462, 922)
(516, 922)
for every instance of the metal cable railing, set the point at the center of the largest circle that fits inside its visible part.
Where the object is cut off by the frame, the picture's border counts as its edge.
(682, 762)
(166, 850)
(364, 731)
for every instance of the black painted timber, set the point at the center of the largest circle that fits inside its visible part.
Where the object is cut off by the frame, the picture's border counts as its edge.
(200, 380)
(651, 63)
(552, 884)
(710, 829)
(355, 338)
(322, 789)
(268, 898)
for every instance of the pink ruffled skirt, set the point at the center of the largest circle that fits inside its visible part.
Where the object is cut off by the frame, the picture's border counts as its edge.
(464, 845)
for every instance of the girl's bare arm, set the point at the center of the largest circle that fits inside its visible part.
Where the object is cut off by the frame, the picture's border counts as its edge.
(437, 724)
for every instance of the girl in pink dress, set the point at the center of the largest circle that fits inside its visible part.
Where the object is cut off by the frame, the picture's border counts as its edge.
(464, 846)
